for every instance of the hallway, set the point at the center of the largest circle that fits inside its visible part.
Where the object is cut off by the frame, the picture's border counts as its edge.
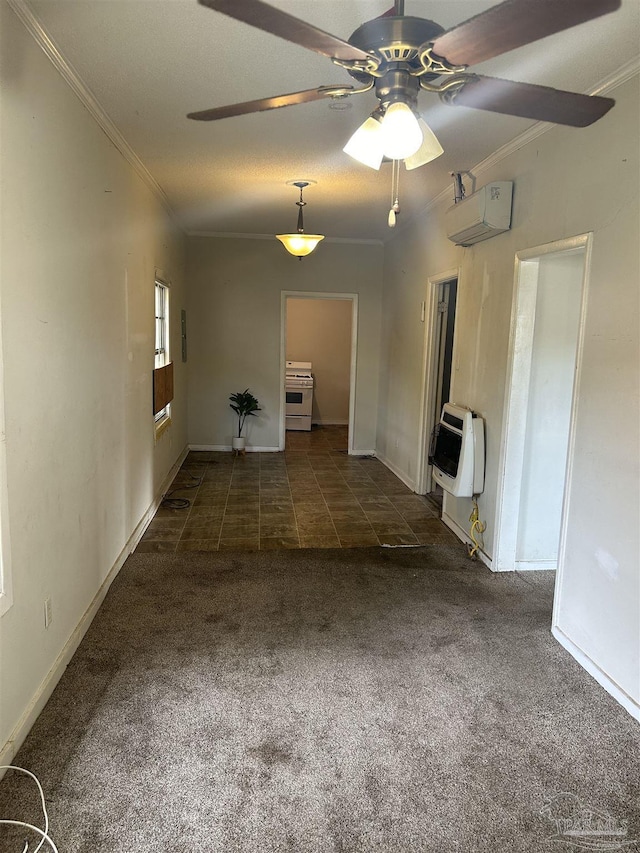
(311, 496)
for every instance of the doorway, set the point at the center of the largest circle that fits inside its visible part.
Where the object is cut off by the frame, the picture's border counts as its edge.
(321, 328)
(544, 357)
(439, 314)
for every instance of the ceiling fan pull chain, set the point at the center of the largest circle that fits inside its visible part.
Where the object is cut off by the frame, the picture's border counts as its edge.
(395, 192)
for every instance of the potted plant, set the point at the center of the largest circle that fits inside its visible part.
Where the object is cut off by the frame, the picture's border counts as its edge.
(243, 404)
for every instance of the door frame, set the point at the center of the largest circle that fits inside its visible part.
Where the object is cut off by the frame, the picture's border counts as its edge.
(514, 421)
(429, 378)
(308, 294)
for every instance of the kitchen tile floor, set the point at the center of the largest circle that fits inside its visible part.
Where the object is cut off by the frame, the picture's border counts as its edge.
(311, 496)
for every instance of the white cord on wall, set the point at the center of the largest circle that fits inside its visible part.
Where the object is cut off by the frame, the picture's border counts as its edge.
(44, 833)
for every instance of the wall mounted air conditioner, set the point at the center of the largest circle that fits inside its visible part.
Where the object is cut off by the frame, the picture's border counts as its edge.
(481, 215)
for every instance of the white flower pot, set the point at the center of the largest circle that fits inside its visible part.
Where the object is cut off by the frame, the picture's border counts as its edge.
(239, 444)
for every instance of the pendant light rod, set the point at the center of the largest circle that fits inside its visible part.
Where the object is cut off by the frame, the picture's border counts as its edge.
(301, 203)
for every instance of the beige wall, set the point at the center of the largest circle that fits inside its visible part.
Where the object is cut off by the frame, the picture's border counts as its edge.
(567, 182)
(235, 329)
(319, 331)
(81, 238)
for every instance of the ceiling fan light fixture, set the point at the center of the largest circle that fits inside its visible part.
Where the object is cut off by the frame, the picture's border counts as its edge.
(300, 244)
(428, 151)
(401, 133)
(366, 145)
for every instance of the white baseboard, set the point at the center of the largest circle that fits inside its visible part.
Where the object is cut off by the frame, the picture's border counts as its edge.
(48, 685)
(462, 534)
(623, 698)
(536, 565)
(398, 472)
(147, 518)
(227, 448)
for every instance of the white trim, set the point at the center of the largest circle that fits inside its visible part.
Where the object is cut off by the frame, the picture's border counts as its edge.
(235, 235)
(623, 698)
(331, 422)
(562, 549)
(395, 470)
(512, 441)
(227, 448)
(462, 534)
(88, 99)
(147, 518)
(535, 565)
(620, 76)
(47, 686)
(6, 584)
(428, 380)
(311, 294)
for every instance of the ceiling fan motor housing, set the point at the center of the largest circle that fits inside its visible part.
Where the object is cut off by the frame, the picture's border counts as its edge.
(396, 41)
(397, 85)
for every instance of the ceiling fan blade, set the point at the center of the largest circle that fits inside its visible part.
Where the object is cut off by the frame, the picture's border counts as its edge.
(530, 101)
(278, 23)
(512, 24)
(273, 103)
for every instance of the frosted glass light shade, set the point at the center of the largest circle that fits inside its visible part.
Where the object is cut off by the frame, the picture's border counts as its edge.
(365, 145)
(428, 151)
(401, 133)
(298, 244)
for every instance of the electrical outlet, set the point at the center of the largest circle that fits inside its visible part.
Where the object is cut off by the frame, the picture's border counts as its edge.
(48, 613)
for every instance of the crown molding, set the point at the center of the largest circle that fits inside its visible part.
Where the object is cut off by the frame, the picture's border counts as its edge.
(607, 84)
(88, 99)
(232, 235)
(622, 75)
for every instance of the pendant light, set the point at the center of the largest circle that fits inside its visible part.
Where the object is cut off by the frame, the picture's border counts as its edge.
(300, 244)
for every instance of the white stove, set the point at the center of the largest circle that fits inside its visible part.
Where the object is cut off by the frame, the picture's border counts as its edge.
(299, 395)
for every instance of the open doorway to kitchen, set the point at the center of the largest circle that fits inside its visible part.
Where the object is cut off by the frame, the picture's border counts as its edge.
(439, 314)
(320, 329)
(544, 360)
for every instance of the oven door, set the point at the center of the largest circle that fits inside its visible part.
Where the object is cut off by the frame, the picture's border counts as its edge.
(299, 401)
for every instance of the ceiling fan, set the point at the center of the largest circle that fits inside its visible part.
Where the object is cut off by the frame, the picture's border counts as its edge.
(399, 56)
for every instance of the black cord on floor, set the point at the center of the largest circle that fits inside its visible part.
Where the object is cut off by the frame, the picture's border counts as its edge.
(181, 503)
(175, 503)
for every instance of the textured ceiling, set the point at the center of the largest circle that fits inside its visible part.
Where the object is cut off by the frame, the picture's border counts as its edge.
(149, 62)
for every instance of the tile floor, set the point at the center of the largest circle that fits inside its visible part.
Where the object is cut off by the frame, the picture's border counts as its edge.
(313, 495)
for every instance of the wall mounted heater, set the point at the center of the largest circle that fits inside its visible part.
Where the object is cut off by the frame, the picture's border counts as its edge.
(457, 451)
(481, 215)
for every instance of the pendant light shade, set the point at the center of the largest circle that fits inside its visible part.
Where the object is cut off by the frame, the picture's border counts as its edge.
(428, 151)
(366, 144)
(300, 244)
(401, 133)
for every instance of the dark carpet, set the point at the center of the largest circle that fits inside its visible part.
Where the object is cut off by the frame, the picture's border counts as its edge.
(327, 700)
